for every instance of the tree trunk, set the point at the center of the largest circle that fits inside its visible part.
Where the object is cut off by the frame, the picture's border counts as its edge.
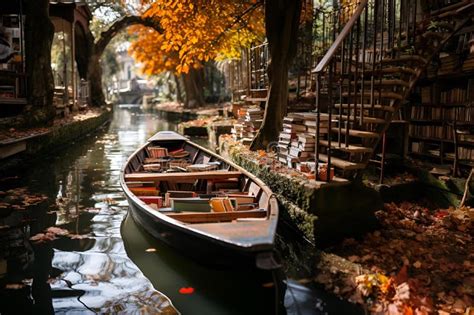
(94, 76)
(281, 26)
(179, 95)
(39, 33)
(193, 87)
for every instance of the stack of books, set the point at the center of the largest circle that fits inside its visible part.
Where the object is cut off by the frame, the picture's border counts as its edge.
(238, 129)
(297, 140)
(249, 121)
(288, 139)
(252, 123)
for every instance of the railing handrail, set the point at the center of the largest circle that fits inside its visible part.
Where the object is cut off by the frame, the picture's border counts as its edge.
(340, 38)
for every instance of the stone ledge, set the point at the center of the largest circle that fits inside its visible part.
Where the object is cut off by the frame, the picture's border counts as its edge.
(54, 139)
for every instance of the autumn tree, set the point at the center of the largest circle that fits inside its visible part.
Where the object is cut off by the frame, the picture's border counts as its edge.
(194, 32)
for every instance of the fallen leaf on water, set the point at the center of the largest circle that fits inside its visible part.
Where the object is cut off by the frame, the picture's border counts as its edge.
(186, 290)
(78, 236)
(14, 286)
(42, 237)
(305, 280)
(150, 250)
(268, 285)
(57, 231)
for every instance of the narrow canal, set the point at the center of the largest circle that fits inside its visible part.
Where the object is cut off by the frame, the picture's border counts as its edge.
(105, 263)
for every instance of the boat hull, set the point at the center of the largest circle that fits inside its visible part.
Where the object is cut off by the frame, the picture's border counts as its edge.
(203, 250)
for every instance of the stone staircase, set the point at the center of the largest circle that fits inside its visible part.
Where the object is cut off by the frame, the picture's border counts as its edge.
(370, 70)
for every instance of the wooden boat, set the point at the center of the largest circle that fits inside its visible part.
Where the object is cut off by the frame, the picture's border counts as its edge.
(199, 203)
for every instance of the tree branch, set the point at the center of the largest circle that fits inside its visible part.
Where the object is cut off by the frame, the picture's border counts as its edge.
(119, 25)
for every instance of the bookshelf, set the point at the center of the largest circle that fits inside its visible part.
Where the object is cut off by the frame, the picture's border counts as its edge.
(441, 112)
(12, 56)
(445, 110)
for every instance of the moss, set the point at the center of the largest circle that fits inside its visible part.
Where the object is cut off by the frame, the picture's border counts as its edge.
(302, 219)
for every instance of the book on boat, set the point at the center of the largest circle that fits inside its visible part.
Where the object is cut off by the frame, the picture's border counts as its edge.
(157, 152)
(221, 204)
(155, 202)
(178, 194)
(190, 204)
(201, 167)
(144, 191)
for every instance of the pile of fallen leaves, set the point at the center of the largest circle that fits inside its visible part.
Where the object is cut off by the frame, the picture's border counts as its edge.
(52, 233)
(419, 262)
(14, 134)
(200, 122)
(20, 199)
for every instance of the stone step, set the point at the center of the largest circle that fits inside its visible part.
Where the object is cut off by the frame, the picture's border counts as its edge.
(356, 133)
(367, 107)
(366, 119)
(378, 82)
(377, 94)
(396, 70)
(404, 59)
(349, 148)
(435, 35)
(341, 163)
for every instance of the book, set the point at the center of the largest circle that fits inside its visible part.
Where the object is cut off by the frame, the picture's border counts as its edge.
(221, 204)
(180, 153)
(157, 152)
(181, 194)
(155, 202)
(144, 191)
(195, 204)
(152, 167)
(201, 167)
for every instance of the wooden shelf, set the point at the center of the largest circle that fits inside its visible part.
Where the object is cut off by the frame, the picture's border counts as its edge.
(12, 101)
(430, 139)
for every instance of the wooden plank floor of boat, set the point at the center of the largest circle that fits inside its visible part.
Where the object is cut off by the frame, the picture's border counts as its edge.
(245, 233)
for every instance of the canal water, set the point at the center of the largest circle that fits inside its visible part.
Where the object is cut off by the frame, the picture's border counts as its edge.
(99, 260)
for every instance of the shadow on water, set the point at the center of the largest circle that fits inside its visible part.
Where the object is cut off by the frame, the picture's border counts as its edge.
(236, 291)
(103, 266)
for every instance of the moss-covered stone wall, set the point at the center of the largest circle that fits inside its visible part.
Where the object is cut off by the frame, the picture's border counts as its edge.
(62, 135)
(58, 137)
(324, 213)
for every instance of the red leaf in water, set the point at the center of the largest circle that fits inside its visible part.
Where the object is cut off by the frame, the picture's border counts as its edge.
(187, 290)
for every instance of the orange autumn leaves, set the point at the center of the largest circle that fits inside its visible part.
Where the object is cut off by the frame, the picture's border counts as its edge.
(195, 31)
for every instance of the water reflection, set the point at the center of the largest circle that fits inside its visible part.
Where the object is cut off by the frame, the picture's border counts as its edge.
(89, 271)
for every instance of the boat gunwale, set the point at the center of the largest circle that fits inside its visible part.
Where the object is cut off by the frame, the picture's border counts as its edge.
(272, 215)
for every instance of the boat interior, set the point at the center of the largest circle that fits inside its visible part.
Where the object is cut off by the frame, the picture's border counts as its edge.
(193, 186)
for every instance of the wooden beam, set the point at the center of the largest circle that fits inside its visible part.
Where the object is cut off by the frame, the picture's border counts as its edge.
(208, 217)
(216, 175)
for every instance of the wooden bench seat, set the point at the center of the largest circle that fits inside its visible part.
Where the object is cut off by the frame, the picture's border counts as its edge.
(208, 217)
(211, 175)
